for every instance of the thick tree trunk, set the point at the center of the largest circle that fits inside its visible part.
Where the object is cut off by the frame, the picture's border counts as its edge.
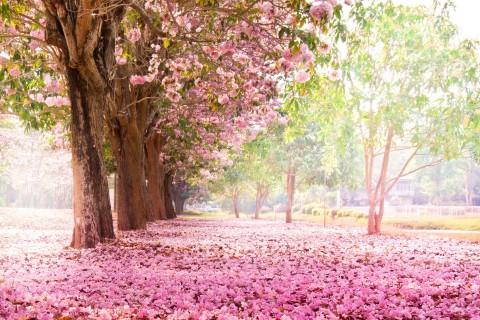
(168, 192)
(155, 176)
(127, 145)
(92, 212)
(179, 193)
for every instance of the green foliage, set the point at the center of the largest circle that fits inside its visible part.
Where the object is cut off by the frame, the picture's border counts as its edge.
(317, 209)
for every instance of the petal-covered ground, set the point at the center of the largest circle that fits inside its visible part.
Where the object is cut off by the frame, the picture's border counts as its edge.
(227, 269)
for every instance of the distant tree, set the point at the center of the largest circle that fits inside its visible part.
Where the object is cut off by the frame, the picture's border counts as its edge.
(399, 85)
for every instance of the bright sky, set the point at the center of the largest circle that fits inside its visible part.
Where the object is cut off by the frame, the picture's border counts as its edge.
(466, 15)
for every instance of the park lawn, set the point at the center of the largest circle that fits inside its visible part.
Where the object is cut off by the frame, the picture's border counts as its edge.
(464, 223)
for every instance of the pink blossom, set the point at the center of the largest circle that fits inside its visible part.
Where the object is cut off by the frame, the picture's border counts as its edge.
(325, 46)
(321, 10)
(13, 31)
(14, 72)
(302, 76)
(34, 45)
(335, 75)
(40, 34)
(282, 120)
(223, 99)
(120, 60)
(10, 90)
(136, 79)
(134, 35)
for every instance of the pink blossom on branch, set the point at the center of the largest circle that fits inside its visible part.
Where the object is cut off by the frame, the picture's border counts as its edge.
(302, 76)
(134, 35)
(321, 10)
(335, 75)
(137, 79)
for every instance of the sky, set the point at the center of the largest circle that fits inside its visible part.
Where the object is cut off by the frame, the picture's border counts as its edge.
(465, 16)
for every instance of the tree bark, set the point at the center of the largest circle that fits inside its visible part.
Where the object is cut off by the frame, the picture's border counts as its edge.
(127, 143)
(262, 193)
(235, 203)
(86, 45)
(179, 191)
(469, 183)
(92, 212)
(155, 176)
(168, 192)
(375, 219)
(290, 193)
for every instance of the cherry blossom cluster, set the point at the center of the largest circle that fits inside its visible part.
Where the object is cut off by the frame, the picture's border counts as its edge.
(233, 269)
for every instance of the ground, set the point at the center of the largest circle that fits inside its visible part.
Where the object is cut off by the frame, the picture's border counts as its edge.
(228, 269)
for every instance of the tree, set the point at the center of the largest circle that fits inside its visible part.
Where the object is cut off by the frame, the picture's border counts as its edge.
(79, 47)
(232, 183)
(403, 74)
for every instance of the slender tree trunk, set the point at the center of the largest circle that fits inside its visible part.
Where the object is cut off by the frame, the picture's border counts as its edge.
(375, 219)
(155, 176)
(168, 192)
(372, 227)
(469, 183)
(290, 193)
(262, 193)
(235, 203)
(92, 212)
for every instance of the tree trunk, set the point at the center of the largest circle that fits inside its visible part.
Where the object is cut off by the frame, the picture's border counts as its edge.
(168, 192)
(372, 225)
(469, 183)
(155, 176)
(179, 192)
(374, 219)
(262, 192)
(92, 212)
(86, 45)
(235, 204)
(290, 193)
(127, 143)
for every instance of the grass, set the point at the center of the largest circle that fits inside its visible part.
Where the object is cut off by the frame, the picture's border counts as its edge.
(397, 226)
(464, 223)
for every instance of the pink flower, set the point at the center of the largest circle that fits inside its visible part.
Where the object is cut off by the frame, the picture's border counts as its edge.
(34, 45)
(223, 99)
(50, 101)
(134, 35)
(335, 75)
(325, 46)
(282, 120)
(302, 76)
(136, 79)
(38, 34)
(14, 72)
(13, 31)
(11, 90)
(120, 60)
(321, 10)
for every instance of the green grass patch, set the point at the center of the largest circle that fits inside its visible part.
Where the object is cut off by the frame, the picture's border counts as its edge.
(465, 223)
